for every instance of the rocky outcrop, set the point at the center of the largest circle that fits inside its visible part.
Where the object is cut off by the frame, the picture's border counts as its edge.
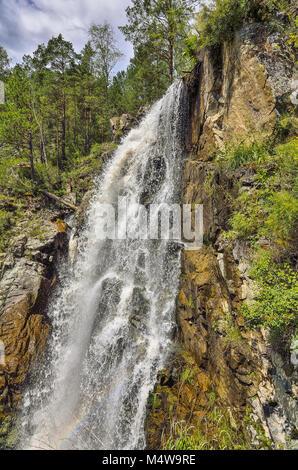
(237, 92)
(121, 125)
(28, 274)
(29, 270)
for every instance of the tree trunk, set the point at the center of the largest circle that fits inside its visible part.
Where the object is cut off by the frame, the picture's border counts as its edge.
(31, 157)
(57, 145)
(63, 129)
(41, 151)
(75, 122)
(59, 200)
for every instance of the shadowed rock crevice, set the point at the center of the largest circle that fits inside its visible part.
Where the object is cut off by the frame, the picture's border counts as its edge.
(235, 92)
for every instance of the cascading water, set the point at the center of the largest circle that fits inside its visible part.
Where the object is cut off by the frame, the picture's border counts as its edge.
(113, 316)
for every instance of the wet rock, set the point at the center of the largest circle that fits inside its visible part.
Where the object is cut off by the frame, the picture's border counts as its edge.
(205, 321)
(27, 279)
(236, 93)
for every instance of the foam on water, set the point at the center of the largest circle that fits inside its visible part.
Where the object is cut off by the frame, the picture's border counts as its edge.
(113, 316)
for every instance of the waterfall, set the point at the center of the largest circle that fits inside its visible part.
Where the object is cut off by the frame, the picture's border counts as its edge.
(113, 315)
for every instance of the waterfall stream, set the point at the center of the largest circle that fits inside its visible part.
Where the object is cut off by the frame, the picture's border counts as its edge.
(113, 315)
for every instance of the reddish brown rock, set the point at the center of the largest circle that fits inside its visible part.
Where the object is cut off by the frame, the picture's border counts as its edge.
(24, 292)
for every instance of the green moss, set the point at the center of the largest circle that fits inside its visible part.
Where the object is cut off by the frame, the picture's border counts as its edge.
(8, 432)
(154, 400)
(234, 336)
(187, 376)
(190, 303)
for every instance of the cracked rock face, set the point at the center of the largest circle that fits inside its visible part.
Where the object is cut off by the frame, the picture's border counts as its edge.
(27, 276)
(238, 92)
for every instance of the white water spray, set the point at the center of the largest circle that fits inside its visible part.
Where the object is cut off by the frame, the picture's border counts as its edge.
(113, 317)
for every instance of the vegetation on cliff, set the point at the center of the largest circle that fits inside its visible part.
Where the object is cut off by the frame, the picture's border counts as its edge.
(245, 173)
(267, 218)
(54, 136)
(218, 20)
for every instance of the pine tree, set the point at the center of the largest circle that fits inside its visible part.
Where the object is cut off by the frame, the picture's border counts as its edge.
(17, 124)
(160, 26)
(56, 63)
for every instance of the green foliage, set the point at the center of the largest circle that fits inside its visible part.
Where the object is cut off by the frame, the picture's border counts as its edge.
(286, 161)
(270, 208)
(17, 121)
(47, 177)
(154, 400)
(14, 174)
(215, 433)
(85, 169)
(8, 431)
(281, 222)
(190, 302)
(276, 304)
(157, 30)
(4, 63)
(218, 20)
(234, 336)
(191, 49)
(287, 126)
(106, 53)
(236, 155)
(4, 221)
(187, 376)
(265, 213)
(184, 437)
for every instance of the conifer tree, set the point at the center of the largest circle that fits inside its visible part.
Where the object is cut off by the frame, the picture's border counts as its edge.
(160, 26)
(17, 124)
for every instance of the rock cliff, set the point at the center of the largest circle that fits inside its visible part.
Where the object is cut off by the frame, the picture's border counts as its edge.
(219, 364)
(237, 91)
(28, 273)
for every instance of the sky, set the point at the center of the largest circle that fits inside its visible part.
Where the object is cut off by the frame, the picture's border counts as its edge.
(24, 24)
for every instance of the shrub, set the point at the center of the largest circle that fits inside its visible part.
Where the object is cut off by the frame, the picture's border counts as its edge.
(218, 20)
(47, 177)
(270, 208)
(214, 433)
(236, 155)
(276, 304)
(265, 213)
(281, 222)
(286, 157)
(287, 126)
(14, 176)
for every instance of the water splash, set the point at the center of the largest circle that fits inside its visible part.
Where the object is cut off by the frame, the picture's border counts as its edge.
(113, 317)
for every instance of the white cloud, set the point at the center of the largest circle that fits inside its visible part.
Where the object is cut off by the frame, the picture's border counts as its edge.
(26, 23)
